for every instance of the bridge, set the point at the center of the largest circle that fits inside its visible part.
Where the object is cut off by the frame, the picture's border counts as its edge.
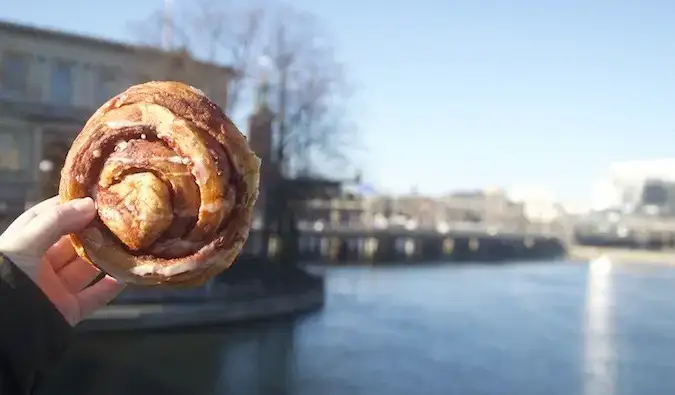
(464, 228)
(457, 241)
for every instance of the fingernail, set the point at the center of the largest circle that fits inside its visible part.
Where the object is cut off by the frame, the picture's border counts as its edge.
(115, 280)
(83, 204)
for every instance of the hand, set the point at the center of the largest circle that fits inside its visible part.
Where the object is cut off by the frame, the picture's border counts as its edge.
(38, 244)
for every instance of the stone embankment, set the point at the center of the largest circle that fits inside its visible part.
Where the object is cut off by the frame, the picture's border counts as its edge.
(250, 290)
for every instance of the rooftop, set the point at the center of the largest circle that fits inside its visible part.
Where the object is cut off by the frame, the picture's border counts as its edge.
(93, 42)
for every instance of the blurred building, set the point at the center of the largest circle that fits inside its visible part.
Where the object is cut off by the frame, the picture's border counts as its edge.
(401, 210)
(646, 186)
(342, 210)
(491, 206)
(539, 204)
(51, 82)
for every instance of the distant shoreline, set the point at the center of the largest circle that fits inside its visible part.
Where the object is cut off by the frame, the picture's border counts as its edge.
(621, 255)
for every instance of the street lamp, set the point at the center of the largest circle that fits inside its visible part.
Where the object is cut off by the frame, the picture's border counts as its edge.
(46, 166)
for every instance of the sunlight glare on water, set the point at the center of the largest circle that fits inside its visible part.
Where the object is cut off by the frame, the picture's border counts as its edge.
(599, 358)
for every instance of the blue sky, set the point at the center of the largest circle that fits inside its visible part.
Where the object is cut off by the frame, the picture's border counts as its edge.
(464, 94)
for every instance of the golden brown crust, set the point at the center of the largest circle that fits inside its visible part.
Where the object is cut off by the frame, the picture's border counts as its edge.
(175, 183)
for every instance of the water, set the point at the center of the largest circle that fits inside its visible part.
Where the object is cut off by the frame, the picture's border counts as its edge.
(535, 328)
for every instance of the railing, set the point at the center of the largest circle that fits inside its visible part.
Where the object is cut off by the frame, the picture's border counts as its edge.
(634, 223)
(552, 230)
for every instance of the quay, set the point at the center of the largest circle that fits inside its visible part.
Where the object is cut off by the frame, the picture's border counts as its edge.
(252, 289)
(211, 311)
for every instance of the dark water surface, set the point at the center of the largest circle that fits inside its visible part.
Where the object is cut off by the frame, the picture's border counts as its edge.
(539, 329)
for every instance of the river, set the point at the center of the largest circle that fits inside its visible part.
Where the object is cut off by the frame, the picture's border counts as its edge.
(530, 328)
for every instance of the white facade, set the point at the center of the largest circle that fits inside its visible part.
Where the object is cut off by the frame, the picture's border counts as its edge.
(539, 203)
(622, 187)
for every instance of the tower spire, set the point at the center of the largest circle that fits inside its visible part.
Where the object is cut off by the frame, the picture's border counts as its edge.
(262, 93)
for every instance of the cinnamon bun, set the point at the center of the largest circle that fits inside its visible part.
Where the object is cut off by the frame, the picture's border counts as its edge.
(174, 182)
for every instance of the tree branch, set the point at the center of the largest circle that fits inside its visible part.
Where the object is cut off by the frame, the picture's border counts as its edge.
(307, 86)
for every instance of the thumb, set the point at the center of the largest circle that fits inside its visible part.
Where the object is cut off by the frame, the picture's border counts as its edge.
(50, 225)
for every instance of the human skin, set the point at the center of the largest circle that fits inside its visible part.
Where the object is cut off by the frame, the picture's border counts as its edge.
(37, 242)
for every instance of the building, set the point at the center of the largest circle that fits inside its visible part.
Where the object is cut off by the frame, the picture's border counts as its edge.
(638, 186)
(539, 204)
(51, 82)
(337, 211)
(489, 207)
(492, 206)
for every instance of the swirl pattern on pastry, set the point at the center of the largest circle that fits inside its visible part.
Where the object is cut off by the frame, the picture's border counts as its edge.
(174, 182)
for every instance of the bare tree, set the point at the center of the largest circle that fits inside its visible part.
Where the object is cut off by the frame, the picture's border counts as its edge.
(307, 88)
(225, 32)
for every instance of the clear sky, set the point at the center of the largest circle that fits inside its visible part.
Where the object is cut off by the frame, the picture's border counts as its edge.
(471, 93)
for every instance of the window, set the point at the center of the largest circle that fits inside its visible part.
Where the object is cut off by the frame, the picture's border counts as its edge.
(14, 74)
(62, 83)
(103, 85)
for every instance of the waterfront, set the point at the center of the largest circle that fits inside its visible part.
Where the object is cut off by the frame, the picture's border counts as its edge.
(535, 328)
(622, 255)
